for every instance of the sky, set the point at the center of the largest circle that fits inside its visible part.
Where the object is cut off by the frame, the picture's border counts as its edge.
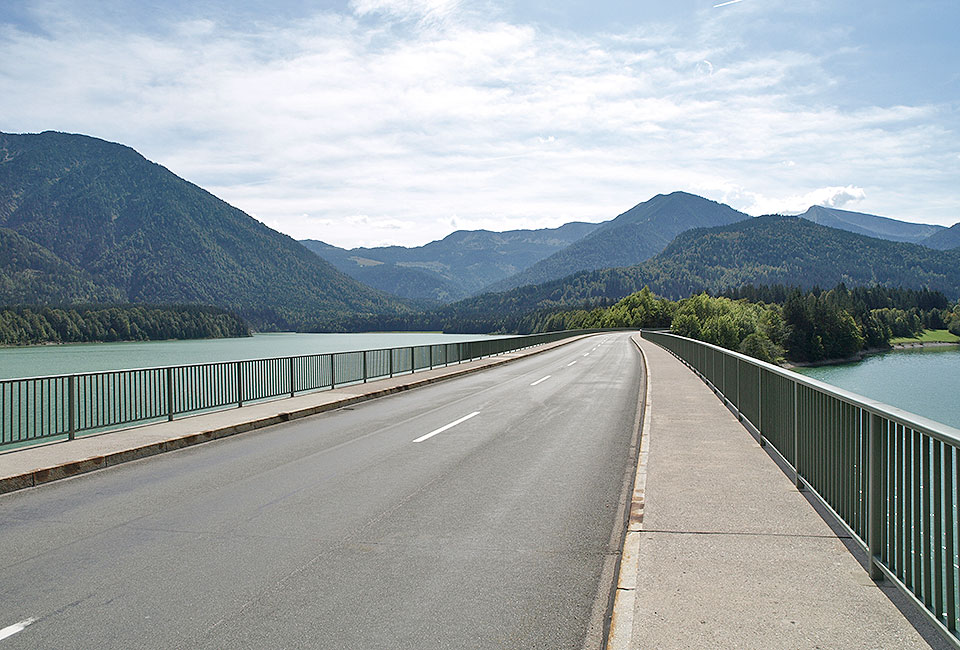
(377, 122)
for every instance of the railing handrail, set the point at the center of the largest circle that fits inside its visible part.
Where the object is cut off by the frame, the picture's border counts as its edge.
(939, 430)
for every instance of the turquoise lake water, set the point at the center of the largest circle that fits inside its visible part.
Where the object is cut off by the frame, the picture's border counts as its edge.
(925, 381)
(39, 360)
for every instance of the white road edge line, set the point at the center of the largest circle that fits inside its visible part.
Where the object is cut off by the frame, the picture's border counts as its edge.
(10, 630)
(571, 363)
(446, 426)
(541, 380)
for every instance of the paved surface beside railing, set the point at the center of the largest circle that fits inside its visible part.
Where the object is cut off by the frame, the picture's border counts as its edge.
(26, 467)
(730, 554)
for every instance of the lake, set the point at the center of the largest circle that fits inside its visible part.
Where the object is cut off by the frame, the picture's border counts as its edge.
(925, 381)
(32, 361)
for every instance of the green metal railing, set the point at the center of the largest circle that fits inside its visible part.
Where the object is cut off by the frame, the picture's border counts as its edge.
(44, 408)
(890, 477)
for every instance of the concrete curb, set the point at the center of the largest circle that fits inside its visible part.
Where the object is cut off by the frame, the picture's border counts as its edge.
(620, 636)
(69, 469)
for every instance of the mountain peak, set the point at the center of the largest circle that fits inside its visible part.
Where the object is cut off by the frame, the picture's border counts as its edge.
(147, 235)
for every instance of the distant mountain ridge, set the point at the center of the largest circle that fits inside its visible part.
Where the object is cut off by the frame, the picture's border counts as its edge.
(871, 225)
(454, 267)
(632, 237)
(762, 250)
(945, 239)
(85, 220)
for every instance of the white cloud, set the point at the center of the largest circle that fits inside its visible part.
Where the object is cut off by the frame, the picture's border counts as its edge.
(831, 197)
(420, 9)
(315, 123)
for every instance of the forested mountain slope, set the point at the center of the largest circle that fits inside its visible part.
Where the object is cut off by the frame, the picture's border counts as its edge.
(762, 250)
(107, 224)
(634, 236)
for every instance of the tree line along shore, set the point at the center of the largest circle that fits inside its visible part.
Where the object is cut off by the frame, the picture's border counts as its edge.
(21, 325)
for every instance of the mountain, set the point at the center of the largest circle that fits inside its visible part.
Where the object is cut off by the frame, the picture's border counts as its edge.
(796, 251)
(94, 221)
(454, 267)
(944, 239)
(871, 225)
(634, 236)
(762, 250)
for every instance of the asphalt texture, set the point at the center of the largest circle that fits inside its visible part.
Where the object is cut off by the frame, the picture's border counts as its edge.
(339, 531)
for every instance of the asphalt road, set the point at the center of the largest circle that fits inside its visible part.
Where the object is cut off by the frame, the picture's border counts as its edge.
(351, 529)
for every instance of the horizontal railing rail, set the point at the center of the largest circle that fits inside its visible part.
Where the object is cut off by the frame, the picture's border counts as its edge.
(63, 406)
(889, 477)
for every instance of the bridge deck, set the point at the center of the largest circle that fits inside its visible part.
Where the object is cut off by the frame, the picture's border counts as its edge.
(28, 466)
(729, 553)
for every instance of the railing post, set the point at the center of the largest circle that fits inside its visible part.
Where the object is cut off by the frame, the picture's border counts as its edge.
(72, 407)
(739, 401)
(239, 383)
(333, 370)
(391, 361)
(170, 394)
(759, 424)
(364, 366)
(293, 389)
(413, 361)
(874, 509)
(431, 356)
(796, 437)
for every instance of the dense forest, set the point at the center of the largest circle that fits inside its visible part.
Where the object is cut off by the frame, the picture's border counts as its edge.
(32, 325)
(778, 323)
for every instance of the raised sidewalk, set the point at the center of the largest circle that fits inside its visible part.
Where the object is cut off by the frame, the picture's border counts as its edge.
(29, 466)
(722, 550)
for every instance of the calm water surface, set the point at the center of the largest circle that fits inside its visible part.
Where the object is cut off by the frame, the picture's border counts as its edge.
(925, 381)
(85, 357)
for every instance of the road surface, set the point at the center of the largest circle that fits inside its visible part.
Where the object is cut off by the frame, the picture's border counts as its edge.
(480, 512)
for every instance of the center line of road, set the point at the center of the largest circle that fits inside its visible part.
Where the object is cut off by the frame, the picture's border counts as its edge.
(571, 363)
(541, 380)
(587, 354)
(446, 426)
(10, 630)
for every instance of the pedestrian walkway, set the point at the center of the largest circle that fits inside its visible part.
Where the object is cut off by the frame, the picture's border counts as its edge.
(723, 551)
(42, 463)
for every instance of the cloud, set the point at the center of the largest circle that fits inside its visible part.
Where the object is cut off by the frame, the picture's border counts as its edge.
(493, 123)
(423, 10)
(831, 197)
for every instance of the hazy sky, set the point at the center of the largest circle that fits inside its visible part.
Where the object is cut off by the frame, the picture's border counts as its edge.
(369, 122)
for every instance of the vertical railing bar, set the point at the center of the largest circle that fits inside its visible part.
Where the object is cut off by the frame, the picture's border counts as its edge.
(927, 515)
(917, 521)
(902, 566)
(950, 513)
(909, 519)
(875, 513)
(72, 408)
(937, 487)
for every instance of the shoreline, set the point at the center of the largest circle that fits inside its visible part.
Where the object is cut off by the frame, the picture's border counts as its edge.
(869, 352)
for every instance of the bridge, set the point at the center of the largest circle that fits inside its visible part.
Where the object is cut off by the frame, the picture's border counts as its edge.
(583, 491)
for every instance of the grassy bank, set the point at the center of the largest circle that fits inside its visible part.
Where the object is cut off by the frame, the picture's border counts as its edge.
(927, 336)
